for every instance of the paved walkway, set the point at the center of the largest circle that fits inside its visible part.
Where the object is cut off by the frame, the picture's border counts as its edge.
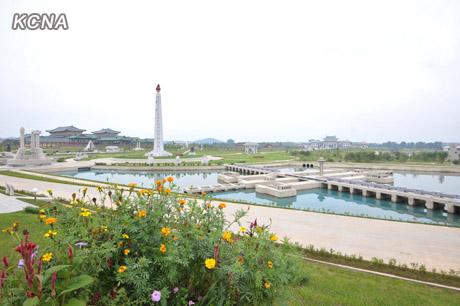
(11, 204)
(434, 246)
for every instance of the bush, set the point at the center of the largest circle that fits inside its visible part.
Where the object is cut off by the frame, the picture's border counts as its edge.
(60, 160)
(156, 245)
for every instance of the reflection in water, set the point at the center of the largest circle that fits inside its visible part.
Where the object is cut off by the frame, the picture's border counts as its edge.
(316, 199)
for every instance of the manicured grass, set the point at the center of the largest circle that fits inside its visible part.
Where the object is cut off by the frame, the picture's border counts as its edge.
(336, 286)
(40, 178)
(29, 222)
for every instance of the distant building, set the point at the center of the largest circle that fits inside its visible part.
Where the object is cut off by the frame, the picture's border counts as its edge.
(74, 137)
(332, 142)
(452, 153)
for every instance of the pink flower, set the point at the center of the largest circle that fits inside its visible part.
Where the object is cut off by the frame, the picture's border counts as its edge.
(175, 290)
(156, 296)
(191, 303)
(5, 262)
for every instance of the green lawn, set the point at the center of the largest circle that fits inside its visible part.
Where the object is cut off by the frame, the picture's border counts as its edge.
(29, 222)
(327, 285)
(336, 286)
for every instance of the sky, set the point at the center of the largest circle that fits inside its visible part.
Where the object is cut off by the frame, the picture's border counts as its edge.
(247, 70)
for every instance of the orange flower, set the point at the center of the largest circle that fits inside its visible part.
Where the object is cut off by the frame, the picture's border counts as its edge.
(203, 193)
(181, 201)
(270, 264)
(175, 238)
(267, 285)
(117, 202)
(127, 251)
(167, 191)
(166, 231)
(122, 269)
(142, 213)
(259, 229)
(222, 205)
(170, 179)
(158, 182)
(50, 221)
(163, 248)
(132, 184)
(240, 259)
(198, 227)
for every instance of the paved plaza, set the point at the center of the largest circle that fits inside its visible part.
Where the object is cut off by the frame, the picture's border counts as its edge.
(434, 246)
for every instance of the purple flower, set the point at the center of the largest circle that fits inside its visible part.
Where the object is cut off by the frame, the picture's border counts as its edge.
(200, 298)
(20, 263)
(156, 296)
(191, 303)
(80, 244)
(175, 290)
(33, 255)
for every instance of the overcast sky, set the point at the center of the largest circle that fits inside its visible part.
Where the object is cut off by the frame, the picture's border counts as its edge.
(246, 70)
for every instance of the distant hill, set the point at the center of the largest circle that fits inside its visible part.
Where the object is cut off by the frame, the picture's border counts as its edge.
(207, 141)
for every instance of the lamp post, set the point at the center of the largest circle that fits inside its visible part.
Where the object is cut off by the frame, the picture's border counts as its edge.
(321, 166)
(34, 191)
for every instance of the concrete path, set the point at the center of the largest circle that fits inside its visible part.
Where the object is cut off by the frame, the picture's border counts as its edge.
(434, 246)
(9, 204)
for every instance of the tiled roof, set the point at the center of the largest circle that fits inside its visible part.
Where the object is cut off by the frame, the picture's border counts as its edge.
(106, 131)
(65, 128)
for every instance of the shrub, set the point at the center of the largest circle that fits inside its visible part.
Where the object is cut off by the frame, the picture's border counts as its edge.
(61, 160)
(154, 245)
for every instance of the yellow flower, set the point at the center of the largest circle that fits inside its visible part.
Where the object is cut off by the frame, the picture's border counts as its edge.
(41, 216)
(240, 259)
(104, 228)
(163, 248)
(273, 237)
(115, 185)
(149, 192)
(42, 211)
(122, 269)
(16, 224)
(226, 236)
(50, 221)
(107, 219)
(117, 202)
(50, 233)
(120, 244)
(210, 263)
(142, 213)
(99, 188)
(175, 238)
(170, 179)
(74, 203)
(222, 205)
(47, 257)
(181, 201)
(270, 264)
(166, 231)
(85, 214)
(50, 191)
(85, 190)
(132, 184)
(243, 229)
(158, 182)
(267, 285)
(127, 251)
(125, 236)
(167, 191)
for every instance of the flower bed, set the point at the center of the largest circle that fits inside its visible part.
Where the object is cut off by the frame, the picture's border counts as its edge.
(150, 246)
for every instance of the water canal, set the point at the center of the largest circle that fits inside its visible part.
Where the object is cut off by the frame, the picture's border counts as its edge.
(314, 200)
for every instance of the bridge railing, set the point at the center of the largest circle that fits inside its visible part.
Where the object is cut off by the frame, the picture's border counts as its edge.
(396, 188)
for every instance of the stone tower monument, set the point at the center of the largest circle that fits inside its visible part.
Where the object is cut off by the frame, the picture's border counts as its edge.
(158, 146)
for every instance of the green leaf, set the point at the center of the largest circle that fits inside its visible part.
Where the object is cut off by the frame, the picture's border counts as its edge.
(77, 283)
(75, 302)
(50, 271)
(31, 302)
